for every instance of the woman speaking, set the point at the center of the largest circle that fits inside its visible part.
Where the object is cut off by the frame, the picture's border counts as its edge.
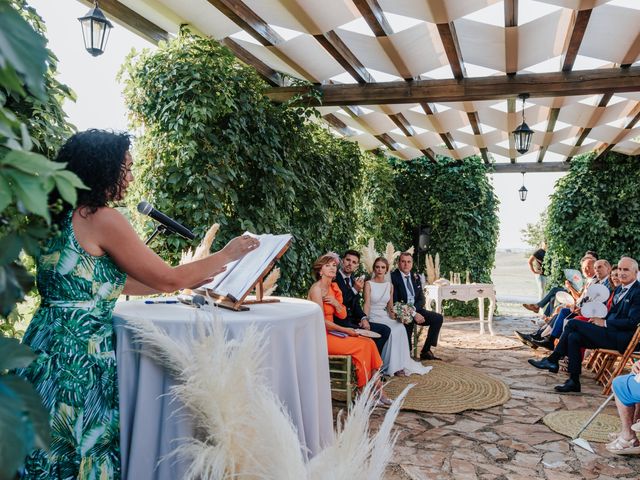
(95, 256)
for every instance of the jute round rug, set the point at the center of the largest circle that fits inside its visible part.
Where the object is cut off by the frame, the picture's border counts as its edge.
(569, 422)
(449, 389)
(452, 338)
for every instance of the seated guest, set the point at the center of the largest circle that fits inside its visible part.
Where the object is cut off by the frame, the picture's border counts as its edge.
(588, 271)
(614, 281)
(530, 339)
(612, 332)
(408, 289)
(351, 288)
(602, 268)
(362, 350)
(378, 305)
(627, 395)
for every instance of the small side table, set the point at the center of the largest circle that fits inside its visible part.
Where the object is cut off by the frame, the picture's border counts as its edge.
(465, 292)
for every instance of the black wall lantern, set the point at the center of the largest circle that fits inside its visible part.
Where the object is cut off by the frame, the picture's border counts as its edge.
(522, 135)
(523, 190)
(95, 30)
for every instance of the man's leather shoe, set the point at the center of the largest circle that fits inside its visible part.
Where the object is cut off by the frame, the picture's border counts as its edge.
(526, 339)
(546, 342)
(545, 364)
(428, 355)
(532, 307)
(569, 386)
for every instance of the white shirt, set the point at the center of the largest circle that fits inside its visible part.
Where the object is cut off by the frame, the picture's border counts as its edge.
(411, 298)
(344, 277)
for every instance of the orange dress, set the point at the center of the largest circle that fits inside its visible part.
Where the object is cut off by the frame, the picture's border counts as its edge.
(363, 351)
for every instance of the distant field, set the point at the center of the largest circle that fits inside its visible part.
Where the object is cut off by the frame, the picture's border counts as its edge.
(512, 277)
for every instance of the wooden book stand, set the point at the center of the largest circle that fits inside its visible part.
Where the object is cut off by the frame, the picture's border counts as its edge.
(231, 303)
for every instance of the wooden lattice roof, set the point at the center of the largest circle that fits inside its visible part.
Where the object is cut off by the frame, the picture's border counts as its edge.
(427, 77)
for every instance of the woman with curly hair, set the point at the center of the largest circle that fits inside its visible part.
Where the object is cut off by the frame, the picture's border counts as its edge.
(342, 340)
(81, 271)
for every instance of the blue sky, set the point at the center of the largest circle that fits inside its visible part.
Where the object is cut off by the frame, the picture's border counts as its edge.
(100, 105)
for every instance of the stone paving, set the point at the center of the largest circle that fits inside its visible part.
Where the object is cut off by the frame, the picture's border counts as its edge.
(508, 441)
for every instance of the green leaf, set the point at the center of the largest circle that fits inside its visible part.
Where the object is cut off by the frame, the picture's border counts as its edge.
(5, 192)
(32, 406)
(13, 354)
(15, 441)
(31, 192)
(72, 178)
(66, 189)
(30, 162)
(10, 246)
(23, 49)
(14, 282)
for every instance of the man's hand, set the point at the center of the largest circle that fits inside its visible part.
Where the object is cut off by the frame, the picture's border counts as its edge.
(364, 323)
(597, 321)
(636, 368)
(419, 319)
(358, 284)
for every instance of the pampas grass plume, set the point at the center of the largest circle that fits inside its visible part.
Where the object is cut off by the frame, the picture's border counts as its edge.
(369, 255)
(271, 282)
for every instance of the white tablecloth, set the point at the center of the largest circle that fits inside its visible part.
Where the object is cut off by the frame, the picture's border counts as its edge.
(297, 371)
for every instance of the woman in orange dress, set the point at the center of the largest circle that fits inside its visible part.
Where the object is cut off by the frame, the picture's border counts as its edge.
(362, 350)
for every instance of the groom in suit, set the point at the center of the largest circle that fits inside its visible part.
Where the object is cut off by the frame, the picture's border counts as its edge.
(612, 332)
(351, 289)
(407, 288)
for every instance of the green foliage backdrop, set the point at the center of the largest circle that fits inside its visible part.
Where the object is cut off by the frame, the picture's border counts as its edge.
(596, 206)
(214, 149)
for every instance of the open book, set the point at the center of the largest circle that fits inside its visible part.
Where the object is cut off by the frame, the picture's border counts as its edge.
(241, 275)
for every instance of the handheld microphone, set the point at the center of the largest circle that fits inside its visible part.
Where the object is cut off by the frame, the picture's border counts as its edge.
(169, 223)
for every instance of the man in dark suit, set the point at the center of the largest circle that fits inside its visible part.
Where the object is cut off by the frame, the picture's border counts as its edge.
(407, 288)
(612, 332)
(351, 289)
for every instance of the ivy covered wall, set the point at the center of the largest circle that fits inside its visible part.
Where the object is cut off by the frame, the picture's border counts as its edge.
(214, 149)
(596, 206)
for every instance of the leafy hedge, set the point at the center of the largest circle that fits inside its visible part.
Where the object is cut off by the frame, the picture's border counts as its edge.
(32, 127)
(455, 200)
(214, 149)
(596, 206)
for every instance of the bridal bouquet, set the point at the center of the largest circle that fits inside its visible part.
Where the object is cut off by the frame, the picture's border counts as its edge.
(404, 312)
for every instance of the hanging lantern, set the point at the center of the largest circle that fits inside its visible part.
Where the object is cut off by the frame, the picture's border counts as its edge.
(95, 30)
(523, 190)
(522, 134)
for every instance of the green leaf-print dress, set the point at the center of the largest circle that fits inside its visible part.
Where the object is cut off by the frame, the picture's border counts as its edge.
(75, 372)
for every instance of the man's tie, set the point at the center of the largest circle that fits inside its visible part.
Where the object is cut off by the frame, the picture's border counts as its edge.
(348, 280)
(407, 282)
(619, 295)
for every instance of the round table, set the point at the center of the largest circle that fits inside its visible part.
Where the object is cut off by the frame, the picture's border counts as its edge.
(297, 370)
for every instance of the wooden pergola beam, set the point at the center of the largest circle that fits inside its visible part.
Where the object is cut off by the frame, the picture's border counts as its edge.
(374, 16)
(131, 20)
(584, 132)
(529, 167)
(334, 45)
(607, 147)
(449, 39)
(554, 84)
(269, 74)
(579, 22)
(249, 21)
(511, 36)
(579, 26)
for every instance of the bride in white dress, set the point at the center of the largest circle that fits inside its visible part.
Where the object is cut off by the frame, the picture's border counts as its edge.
(378, 306)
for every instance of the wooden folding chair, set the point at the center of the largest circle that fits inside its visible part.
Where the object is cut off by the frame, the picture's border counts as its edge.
(614, 362)
(342, 374)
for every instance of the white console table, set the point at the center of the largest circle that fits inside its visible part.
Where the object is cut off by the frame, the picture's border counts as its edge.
(464, 292)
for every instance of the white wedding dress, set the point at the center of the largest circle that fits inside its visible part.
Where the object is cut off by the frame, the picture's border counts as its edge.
(395, 353)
